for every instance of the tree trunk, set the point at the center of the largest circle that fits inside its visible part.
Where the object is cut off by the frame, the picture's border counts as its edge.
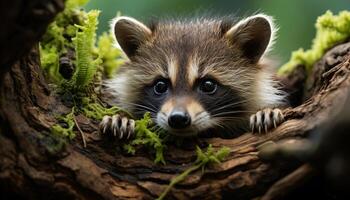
(34, 164)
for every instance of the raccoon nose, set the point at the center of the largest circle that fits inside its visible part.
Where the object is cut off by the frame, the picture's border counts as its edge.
(179, 120)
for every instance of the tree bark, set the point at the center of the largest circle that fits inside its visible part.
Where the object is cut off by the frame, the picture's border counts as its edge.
(23, 23)
(34, 164)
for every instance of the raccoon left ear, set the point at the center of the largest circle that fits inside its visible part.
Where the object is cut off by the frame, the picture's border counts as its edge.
(252, 36)
(130, 34)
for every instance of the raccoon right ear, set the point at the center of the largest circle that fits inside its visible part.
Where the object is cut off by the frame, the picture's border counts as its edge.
(130, 34)
(253, 36)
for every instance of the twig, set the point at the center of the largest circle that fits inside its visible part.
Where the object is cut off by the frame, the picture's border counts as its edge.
(80, 131)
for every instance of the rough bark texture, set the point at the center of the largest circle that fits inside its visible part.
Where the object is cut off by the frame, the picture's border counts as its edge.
(23, 23)
(33, 166)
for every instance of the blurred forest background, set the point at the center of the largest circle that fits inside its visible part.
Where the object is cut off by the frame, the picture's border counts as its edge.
(295, 18)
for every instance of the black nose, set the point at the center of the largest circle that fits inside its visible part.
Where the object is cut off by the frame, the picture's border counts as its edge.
(179, 120)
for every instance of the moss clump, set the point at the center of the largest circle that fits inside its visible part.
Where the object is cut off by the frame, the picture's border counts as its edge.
(203, 159)
(147, 135)
(330, 30)
(96, 111)
(58, 38)
(66, 129)
(73, 35)
(110, 55)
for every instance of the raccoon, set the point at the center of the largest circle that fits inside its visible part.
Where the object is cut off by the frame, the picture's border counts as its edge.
(196, 76)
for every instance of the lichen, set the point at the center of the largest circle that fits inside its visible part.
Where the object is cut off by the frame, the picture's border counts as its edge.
(203, 159)
(330, 30)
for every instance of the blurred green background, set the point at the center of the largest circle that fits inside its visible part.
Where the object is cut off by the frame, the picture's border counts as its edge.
(295, 18)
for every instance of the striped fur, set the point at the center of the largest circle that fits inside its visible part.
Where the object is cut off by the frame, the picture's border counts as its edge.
(187, 52)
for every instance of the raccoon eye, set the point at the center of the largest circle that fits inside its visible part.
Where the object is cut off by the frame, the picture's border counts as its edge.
(160, 87)
(208, 86)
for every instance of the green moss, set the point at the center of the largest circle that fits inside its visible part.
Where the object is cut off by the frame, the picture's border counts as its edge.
(110, 55)
(147, 135)
(72, 4)
(58, 38)
(75, 31)
(49, 61)
(203, 159)
(97, 111)
(52, 45)
(330, 30)
(67, 128)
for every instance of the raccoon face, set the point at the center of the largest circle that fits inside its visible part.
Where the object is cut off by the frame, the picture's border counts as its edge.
(193, 75)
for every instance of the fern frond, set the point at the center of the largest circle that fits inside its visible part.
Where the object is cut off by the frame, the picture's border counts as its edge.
(84, 43)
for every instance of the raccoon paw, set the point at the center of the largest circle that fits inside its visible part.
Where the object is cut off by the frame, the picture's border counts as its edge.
(118, 126)
(266, 119)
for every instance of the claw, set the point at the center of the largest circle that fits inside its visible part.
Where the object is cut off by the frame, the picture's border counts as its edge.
(131, 128)
(118, 126)
(104, 123)
(123, 127)
(259, 120)
(252, 122)
(115, 125)
(121, 134)
(266, 119)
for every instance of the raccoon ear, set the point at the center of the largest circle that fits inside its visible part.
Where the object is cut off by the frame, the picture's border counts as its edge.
(252, 36)
(130, 34)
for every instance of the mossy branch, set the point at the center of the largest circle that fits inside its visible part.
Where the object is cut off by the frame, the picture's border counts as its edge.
(203, 159)
(330, 30)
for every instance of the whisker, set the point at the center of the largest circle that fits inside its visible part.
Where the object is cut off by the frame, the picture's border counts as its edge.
(142, 105)
(228, 118)
(141, 111)
(222, 103)
(225, 127)
(228, 105)
(201, 117)
(231, 112)
(219, 125)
